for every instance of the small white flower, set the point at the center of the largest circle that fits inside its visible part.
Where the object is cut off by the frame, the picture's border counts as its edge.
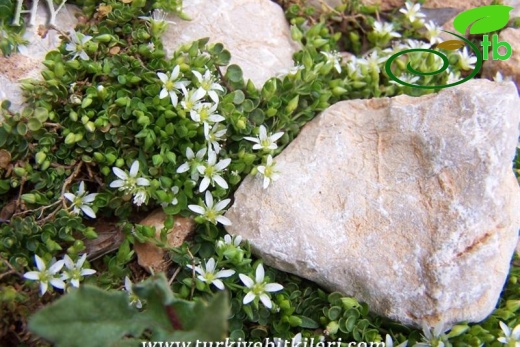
(373, 61)
(46, 276)
(333, 58)
(453, 76)
(140, 197)
(207, 273)
(412, 44)
(466, 62)
(511, 337)
(383, 28)
(205, 112)
(207, 85)
(264, 141)
(211, 172)
(75, 272)
(81, 201)
(434, 32)
(433, 337)
(171, 85)
(134, 299)
(230, 241)
(193, 161)
(268, 171)
(390, 343)
(151, 46)
(296, 341)
(290, 72)
(499, 78)
(76, 45)
(158, 16)
(175, 191)
(191, 98)
(354, 68)
(213, 135)
(129, 182)
(406, 78)
(212, 212)
(258, 288)
(412, 12)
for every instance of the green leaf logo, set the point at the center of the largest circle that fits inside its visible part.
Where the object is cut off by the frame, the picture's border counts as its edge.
(482, 19)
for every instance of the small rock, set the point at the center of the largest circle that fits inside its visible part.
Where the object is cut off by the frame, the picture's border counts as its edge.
(150, 256)
(29, 65)
(509, 67)
(254, 31)
(408, 204)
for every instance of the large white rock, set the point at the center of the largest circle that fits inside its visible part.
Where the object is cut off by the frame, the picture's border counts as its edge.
(29, 64)
(409, 204)
(254, 31)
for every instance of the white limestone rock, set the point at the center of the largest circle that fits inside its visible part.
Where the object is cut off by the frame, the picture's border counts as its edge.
(409, 204)
(254, 31)
(29, 64)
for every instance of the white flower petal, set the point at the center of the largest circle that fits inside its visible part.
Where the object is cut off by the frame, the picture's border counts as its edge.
(183, 168)
(209, 199)
(88, 211)
(43, 287)
(163, 93)
(273, 287)
(220, 181)
(57, 283)
(223, 220)
(222, 204)
(69, 264)
(265, 300)
(210, 265)
(224, 163)
(218, 283)
(143, 182)
(32, 275)
(40, 264)
(204, 184)
(87, 272)
(248, 282)
(248, 298)
(120, 173)
(128, 284)
(197, 209)
(69, 196)
(57, 266)
(260, 273)
(117, 184)
(224, 273)
(162, 76)
(134, 169)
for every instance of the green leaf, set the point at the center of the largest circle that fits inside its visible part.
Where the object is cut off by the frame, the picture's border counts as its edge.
(34, 124)
(308, 323)
(87, 317)
(234, 73)
(41, 114)
(482, 20)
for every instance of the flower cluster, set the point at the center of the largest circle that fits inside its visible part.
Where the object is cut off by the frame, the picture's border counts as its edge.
(266, 143)
(256, 289)
(56, 276)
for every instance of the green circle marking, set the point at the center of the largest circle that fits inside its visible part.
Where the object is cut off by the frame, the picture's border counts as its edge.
(445, 65)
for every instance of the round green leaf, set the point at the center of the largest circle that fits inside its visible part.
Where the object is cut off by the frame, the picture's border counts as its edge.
(34, 124)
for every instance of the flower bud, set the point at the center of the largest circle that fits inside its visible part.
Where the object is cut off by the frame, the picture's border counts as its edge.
(90, 126)
(40, 157)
